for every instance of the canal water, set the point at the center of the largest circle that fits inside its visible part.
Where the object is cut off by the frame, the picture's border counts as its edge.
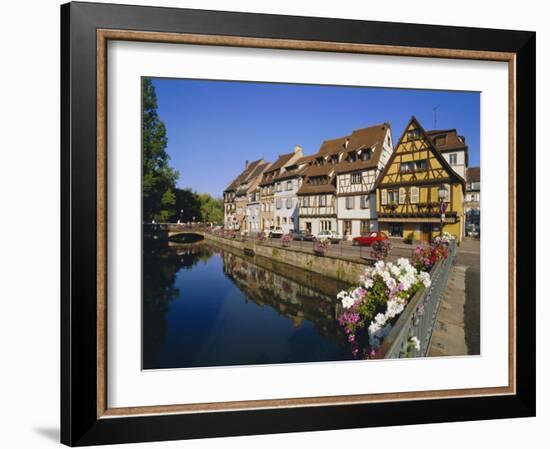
(206, 306)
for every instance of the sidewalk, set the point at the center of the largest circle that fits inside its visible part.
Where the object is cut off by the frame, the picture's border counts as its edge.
(449, 337)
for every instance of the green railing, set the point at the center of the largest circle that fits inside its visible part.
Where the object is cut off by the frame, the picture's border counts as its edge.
(419, 317)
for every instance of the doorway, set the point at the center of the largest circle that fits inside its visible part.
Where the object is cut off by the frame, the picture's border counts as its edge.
(427, 232)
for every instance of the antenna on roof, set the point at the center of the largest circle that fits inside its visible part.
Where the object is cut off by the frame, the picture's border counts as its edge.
(435, 116)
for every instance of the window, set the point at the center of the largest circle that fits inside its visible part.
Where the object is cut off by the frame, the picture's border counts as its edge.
(475, 186)
(279, 187)
(350, 202)
(411, 166)
(402, 195)
(453, 158)
(326, 225)
(278, 203)
(289, 203)
(284, 220)
(384, 197)
(305, 201)
(334, 159)
(364, 201)
(356, 178)
(414, 195)
(352, 156)
(440, 141)
(289, 185)
(413, 134)
(323, 200)
(396, 229)
(366, 155)
(393, 196)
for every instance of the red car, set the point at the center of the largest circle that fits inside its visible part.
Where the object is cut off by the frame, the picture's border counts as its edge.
(369, 239)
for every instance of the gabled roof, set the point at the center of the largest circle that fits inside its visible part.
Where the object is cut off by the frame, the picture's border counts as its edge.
(280, 162)
(413, 121)
(451, 140)
(243, 177)
(273, 172)
(472, 174)
(446, 140)
(362, 139)
(332, 146)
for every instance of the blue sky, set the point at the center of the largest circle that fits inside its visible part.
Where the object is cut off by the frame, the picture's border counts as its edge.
(214, 126)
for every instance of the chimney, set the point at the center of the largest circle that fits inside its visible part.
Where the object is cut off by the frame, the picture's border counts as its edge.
(246, 164)
(297, 149)
(347, 143)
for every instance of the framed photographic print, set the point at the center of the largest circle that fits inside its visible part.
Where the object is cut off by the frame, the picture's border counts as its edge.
(277, 224)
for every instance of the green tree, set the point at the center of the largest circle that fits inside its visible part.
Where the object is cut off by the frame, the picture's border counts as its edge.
(211, 209)
(159, 179)
(187, 206)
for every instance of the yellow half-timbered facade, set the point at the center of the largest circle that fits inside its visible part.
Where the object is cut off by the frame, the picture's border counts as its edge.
(418, 192)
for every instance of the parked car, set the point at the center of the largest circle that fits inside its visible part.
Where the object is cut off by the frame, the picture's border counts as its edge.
(275, 232)
(369, 239)
(333, 236)
(302, 235)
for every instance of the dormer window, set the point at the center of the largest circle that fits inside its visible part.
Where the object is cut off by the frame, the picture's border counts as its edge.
(440, 141)
(352, 157)
(366, 154)
(334, 159)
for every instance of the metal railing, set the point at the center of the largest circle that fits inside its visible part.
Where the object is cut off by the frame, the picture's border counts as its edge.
(419, 317)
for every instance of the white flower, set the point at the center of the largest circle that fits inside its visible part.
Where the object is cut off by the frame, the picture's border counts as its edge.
(425, 279)
(380, 319)
(391, 284)
(416, 342)
(373, 328)
(368, 283)
(395, 271)
(348, 302)
(379, 266)
(403, 263)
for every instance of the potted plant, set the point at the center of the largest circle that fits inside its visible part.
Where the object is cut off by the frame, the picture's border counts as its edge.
(320, 247)
(409, 238)
(380, 249)
(286, 240)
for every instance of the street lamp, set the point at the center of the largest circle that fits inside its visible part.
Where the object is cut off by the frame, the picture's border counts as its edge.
(442, 195)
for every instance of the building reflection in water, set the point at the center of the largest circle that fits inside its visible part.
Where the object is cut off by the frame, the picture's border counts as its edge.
(201, 304)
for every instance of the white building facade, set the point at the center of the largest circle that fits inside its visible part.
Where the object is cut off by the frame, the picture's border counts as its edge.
(285, 198)
(367, 153)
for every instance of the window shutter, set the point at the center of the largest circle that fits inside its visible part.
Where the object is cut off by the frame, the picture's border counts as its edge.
(384, 196)
(414, 195)
(402, 195)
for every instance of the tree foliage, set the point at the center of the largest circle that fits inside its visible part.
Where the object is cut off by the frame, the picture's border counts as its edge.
(192, 206)
(159, 178)
(162, 201)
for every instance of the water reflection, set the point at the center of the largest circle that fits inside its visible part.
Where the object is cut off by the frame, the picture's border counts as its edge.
(207, 306)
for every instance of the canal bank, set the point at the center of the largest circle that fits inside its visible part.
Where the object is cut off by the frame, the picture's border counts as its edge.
(338, 268)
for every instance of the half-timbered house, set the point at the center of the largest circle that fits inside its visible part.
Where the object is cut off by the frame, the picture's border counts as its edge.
(235, 196)
(317, 194)
(267, 187)
(366, 153)
(418, 192)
